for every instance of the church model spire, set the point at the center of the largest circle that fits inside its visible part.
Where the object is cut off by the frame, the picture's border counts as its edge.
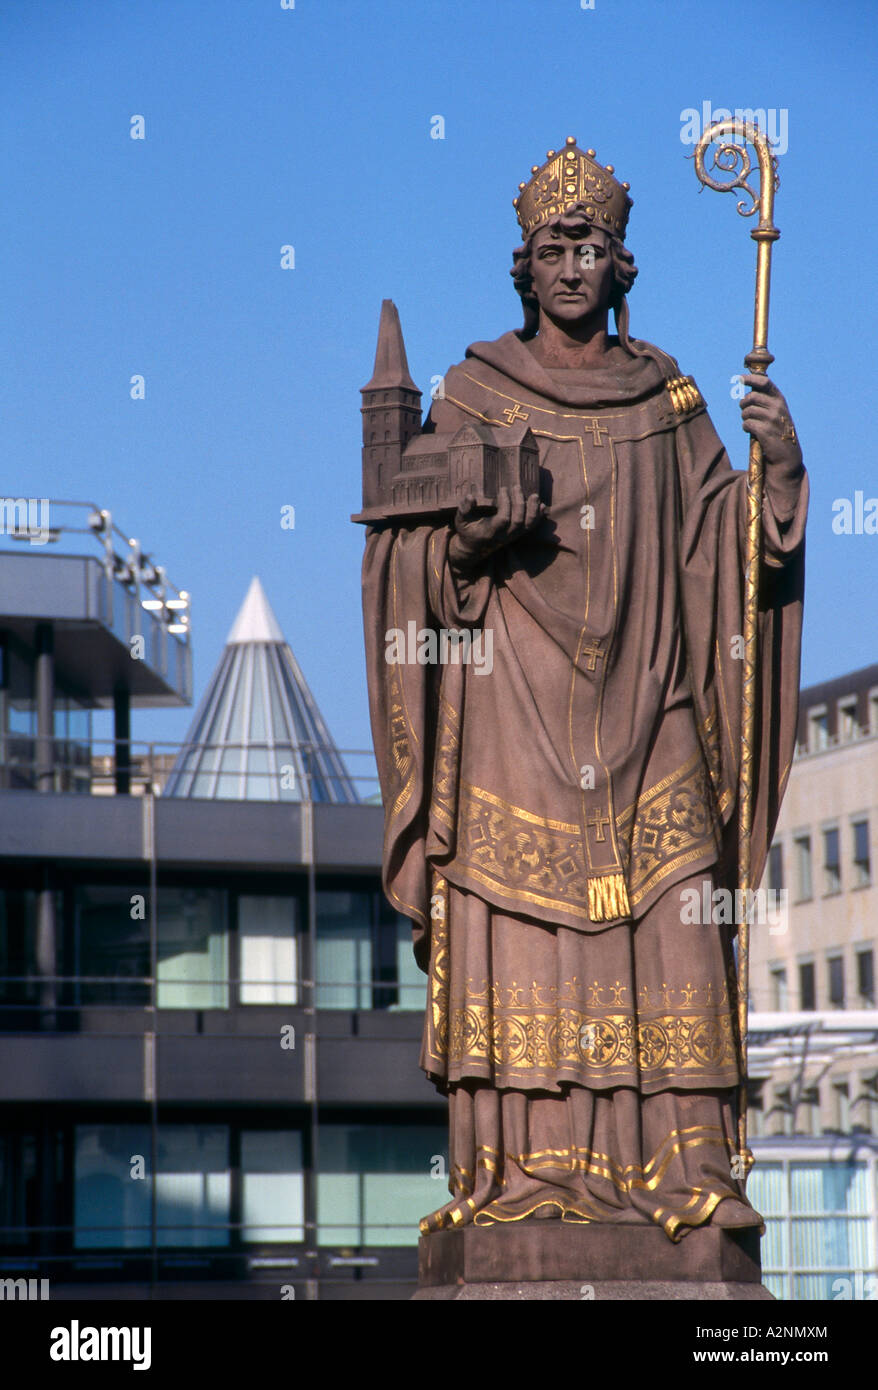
(391, 409)
(407, 474)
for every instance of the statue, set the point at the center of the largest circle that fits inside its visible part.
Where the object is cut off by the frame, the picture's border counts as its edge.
(550, 813)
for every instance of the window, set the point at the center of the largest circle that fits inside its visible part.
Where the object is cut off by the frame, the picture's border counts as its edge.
(783, 1110)
(193, 966)
(780, 993)
(193, 1185)
(803, 867)
(873, 711)
(112, 941)
(412, 981)
(112, 1205)
(836, 981)
(756, 1105)
(377, 1181)
(19, 1189)
(344, 950)
(827, 1231)
(196, 1205)
(818, 729)
(862, 855)
(72, 748)
(364, 954)
(807, 993)
(17, 716)
(841, 1098)
(866, 975)
(18, 947)
(866, 1102)
(808, 1111)
(272, 1186)
(267, 959)
(775, 867)
(831, 862)
(818, 1218)
(848, 728)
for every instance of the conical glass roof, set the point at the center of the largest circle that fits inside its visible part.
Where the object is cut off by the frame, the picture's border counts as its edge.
(257, 734)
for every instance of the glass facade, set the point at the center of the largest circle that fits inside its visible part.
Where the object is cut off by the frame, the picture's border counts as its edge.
(268, 954)
(364, 954)
(376, 1181)
(71, 729)
(193, 954)
(18, 716)
(111, 1209)
(272, 1186)
(412, 980)
(820, 1218)
(193, 1185)
(113, 1192)
(364, 948)
(111, 939)
(18, 946)
(194, 1207)
(72, 726)
(258, 735)
(344, 950)
(19, 1197)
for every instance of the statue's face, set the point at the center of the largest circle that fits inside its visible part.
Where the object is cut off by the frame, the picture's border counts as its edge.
(572, 276)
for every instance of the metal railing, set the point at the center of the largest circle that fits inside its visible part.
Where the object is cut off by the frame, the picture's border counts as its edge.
(370, 995)
(301, 772)
(35, 520)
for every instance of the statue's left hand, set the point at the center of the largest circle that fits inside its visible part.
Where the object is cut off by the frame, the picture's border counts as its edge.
(766, 416)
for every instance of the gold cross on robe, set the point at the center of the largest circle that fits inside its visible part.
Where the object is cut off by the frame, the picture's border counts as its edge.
(597, 429)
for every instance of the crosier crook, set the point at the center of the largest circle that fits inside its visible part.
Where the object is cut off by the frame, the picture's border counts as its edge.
(727, 158)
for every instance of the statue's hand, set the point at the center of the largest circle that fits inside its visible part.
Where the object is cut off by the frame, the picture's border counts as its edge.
(766, 416)
(475, 537)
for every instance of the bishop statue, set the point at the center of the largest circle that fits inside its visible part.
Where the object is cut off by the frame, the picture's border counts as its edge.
(549, 814)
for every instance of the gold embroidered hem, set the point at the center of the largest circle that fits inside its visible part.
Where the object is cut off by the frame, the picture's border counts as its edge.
(579, 1157)
(514, 857)
(645, 1005)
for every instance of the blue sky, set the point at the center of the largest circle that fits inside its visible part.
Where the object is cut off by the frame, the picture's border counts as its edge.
(311, 127)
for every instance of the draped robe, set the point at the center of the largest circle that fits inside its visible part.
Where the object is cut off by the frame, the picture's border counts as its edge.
(543, 817)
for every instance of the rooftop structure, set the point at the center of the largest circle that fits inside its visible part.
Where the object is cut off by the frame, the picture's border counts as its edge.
(258, 734)
(80, 632)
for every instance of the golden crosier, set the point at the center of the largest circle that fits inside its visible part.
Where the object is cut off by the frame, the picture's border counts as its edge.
(733, 158)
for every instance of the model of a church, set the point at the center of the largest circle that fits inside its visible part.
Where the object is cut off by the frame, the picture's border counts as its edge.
(411, 473)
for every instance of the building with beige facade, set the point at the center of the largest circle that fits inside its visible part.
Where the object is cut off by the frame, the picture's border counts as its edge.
(813, 1041)
(821, 958)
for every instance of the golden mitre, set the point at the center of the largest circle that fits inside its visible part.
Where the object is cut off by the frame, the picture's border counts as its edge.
(572, 176)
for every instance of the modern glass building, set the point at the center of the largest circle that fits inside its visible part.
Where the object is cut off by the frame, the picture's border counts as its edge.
(819, 1198)
(209, 1016)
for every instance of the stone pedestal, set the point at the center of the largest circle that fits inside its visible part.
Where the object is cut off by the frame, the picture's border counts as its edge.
(551, 1260)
